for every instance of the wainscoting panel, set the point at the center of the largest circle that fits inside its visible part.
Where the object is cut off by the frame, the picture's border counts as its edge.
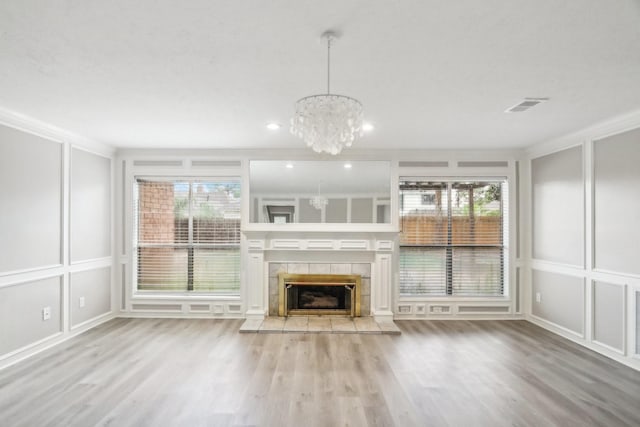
(637, 294)
(617, 201)
(90, 206)
(609, 314)
(90, 294)
(31, 200)
(22, 305)
(559, 299)
(558, 207)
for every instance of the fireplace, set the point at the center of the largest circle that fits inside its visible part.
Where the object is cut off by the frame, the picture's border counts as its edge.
(314, 294)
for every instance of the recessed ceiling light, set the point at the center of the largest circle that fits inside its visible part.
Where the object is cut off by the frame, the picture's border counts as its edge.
(367, 127)
(348, 165)
(274, 126)
(289, 165)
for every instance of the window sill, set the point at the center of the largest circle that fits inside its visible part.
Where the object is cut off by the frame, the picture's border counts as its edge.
(183, 297)
(451, 298)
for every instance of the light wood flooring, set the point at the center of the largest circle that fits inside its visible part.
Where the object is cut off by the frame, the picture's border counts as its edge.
(167, 372)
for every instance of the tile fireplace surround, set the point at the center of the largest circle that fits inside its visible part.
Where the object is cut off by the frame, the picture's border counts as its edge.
(364, 270)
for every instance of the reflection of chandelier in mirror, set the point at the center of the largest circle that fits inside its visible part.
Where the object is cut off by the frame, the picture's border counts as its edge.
(328, 123)
(319, 201)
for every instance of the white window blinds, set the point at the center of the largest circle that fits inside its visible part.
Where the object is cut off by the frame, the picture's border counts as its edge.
(187, 235)
(453, 237)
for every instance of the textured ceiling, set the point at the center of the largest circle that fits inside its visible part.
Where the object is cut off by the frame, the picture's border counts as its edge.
(431, 74)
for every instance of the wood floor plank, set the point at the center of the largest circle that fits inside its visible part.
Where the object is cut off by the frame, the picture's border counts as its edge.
(169, 372)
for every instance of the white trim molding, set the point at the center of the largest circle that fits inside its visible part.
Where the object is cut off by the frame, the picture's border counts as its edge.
(630, 283)
(37, 127)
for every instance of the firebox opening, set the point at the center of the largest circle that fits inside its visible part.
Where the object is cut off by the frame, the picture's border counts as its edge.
(305, 294)
(319, 297)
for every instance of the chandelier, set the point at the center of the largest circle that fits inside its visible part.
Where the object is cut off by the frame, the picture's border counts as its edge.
(328, 123)
(319, 201)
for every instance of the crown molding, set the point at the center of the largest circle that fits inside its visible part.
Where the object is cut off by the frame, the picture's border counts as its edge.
(594, 132)
(302, 154)
(45, 130)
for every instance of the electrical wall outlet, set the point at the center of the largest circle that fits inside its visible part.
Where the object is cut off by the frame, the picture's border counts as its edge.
(538, 297)
(46, 313)
(81, 302)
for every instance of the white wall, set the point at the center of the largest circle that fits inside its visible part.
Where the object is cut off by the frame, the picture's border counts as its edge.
(55, 234)
(558, 207)
(194, 163)
(31, 200)
(574, 235)
(90, 211)
(583, 273)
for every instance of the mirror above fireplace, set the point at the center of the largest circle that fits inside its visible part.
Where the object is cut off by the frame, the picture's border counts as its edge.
(320, 192)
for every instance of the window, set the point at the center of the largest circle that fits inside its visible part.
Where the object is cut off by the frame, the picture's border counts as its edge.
(453, 237)
(187, 235)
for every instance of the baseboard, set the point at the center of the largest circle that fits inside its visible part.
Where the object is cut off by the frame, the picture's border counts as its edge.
(479, 316)
(25, 352)
(165, 315)
(630, 361)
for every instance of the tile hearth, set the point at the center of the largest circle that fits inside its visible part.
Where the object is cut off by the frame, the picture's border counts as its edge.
(319, 324)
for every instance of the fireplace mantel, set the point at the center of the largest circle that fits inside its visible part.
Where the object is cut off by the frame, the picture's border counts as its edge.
(321, 240)
(374, 247)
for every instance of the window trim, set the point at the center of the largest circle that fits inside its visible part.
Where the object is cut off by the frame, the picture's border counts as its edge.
(505, 230)
(134, 245)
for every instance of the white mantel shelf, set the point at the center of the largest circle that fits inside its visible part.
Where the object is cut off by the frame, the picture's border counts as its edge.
(320, 240)
(260, 229)
(278, 244)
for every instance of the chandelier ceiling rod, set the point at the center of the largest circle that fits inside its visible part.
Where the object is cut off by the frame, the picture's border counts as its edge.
(329, 37)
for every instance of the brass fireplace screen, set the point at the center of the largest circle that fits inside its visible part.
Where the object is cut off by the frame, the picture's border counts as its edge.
(325, 294)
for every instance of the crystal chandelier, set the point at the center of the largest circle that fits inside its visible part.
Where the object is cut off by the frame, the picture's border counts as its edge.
(318, 201)
(328, 123)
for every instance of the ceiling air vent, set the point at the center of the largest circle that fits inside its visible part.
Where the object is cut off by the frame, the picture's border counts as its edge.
(525, 105)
